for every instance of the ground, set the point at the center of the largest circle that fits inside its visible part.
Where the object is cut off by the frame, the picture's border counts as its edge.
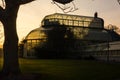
(51, 69)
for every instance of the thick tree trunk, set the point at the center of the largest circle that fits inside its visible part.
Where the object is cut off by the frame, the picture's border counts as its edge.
(10, 47)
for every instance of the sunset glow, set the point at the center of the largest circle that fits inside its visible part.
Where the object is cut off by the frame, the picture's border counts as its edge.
(30, 15)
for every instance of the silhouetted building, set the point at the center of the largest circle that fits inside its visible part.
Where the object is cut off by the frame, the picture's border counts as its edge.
(74, 33)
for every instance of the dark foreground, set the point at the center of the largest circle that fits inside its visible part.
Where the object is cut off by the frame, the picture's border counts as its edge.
(34, 69)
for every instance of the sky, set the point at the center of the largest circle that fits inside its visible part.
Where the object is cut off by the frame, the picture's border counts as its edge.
(31, 14)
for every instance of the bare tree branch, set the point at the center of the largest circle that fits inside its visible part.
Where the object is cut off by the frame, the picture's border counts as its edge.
(25, 1)
(118, 1)
(3, 3)
(1, 12)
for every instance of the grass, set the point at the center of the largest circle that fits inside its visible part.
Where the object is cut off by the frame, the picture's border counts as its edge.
(71, 69)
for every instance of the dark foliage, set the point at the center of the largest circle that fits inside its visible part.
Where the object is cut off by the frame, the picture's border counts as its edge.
(57, 45)
(44, 53)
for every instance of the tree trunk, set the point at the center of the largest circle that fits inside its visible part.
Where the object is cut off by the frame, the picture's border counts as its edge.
(10, 47)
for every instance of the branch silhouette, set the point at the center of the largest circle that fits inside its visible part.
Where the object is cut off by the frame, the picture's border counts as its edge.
(25, 1)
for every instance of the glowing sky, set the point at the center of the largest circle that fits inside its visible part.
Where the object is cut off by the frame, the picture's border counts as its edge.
(30, 15)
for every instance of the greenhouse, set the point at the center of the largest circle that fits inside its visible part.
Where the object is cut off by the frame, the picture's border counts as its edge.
(64, 32)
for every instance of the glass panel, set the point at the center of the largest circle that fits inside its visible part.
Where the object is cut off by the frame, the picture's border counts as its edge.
(61, 22)
(65, 22)
(37, 34)
(73, 20)
(86, 24)
(70, 22)
(76, 23)
(34, 35)
(81, 23)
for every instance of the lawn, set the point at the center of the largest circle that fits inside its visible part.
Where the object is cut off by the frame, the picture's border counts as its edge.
(71, 69)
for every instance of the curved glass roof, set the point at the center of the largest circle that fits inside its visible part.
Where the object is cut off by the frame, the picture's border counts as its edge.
(36, 34)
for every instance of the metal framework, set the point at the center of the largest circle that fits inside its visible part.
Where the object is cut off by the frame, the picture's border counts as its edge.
(73, 20)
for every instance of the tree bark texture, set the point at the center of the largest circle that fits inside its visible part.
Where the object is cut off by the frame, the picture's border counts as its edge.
(8, 16)
(10, 47)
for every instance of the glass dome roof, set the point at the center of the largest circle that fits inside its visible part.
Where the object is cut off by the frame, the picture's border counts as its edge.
(37, 33)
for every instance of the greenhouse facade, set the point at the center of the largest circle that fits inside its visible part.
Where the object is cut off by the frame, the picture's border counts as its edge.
(64, 32)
